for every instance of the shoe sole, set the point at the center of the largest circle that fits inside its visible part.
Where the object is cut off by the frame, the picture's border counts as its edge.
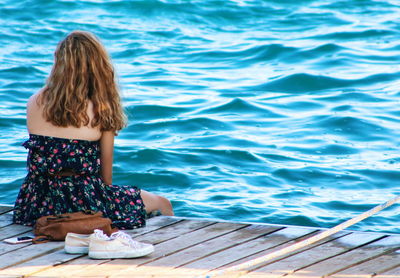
(120, 255)
(76, 249)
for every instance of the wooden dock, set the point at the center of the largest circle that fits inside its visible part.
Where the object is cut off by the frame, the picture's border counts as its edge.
(193, 247)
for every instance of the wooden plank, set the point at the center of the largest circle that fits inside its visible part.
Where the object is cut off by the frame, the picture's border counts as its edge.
(374, 266)
(73, 266)
(188, 271)
(160, 271)
(5, 219)
(13, 230)
(4, 209)
(29, 252)
(172, 264)
(153, 224)
(214, 245)
(370, 268)
(348, 259)
(393, 273)
(252, 249)
(36, 264)
(173, 231)
(188, 248)
(6, 247)
(172, 228)
(123, 267)
(312, 254)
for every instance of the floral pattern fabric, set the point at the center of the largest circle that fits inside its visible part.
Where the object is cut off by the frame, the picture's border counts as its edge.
(47, 192)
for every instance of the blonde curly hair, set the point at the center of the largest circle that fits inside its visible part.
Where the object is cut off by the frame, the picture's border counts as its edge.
(82, 71)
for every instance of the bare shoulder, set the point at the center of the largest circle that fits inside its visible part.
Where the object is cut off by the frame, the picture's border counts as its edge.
(33, 102)
(34, 118)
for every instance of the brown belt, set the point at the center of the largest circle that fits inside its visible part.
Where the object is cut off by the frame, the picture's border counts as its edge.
(64, 173)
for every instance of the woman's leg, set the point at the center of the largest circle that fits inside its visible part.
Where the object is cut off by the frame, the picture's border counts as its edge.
(154, 202)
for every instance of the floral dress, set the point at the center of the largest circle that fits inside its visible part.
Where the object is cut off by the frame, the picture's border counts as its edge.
(47, 191)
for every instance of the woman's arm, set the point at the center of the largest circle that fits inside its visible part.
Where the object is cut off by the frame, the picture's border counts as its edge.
(106, 157)
(33, 114)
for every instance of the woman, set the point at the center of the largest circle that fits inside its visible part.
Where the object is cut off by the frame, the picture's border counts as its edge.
(72, 122)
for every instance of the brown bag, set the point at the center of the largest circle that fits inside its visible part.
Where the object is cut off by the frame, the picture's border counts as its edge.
(56, 227)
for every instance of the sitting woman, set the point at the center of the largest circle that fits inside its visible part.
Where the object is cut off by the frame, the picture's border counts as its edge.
(72, 122)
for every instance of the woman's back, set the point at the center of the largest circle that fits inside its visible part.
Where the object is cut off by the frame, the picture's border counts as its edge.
(37, 124)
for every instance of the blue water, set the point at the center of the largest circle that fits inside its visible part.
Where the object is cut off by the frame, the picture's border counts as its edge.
(280, 111)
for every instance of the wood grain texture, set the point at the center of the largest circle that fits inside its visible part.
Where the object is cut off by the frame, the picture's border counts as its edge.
(192, 248)
(166, 248)
(260, 247)
(370, 246)
(4, 209)
(392, 273)
(76, 264)
(313, 254)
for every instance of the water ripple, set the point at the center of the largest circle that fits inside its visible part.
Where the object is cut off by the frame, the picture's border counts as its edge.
(235, 108)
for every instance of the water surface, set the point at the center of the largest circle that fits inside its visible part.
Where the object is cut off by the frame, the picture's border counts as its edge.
(263, 111)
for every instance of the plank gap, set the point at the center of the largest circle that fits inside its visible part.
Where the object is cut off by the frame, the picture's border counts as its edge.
(159, 228)
(194, 229)
(189, 246)
(385, 270)
(230, 246)
(33, 257)
(314, 245)
(364, 260)
(356, 263)
(327, 258)
(271, 247)
(5, 209)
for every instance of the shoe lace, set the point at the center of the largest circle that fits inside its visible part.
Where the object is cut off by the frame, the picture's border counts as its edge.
(124, 236)
(101, 235)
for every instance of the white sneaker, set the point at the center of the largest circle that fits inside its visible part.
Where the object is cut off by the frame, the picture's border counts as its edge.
(77, 243)
(118, 245)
